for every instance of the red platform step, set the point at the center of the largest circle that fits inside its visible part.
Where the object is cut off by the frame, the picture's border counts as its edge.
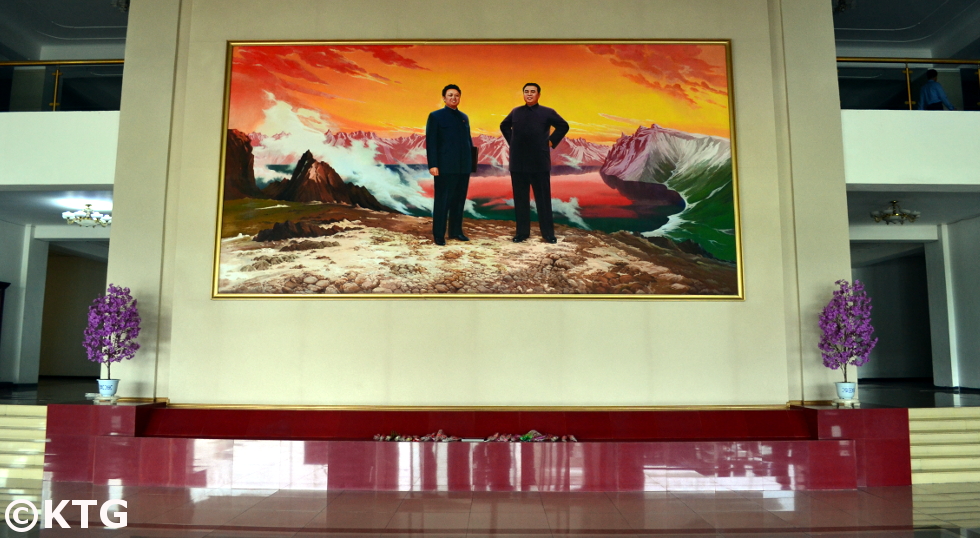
(796, 449)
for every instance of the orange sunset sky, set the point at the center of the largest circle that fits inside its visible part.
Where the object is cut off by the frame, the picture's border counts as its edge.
(601, 89)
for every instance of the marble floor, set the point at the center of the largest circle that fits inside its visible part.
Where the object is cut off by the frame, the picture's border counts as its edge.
(938, 510)
(873, 393)
(948, 510)
(915, 393)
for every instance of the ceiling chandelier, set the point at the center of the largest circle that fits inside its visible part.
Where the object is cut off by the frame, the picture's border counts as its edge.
(895, 214)
(87, 217)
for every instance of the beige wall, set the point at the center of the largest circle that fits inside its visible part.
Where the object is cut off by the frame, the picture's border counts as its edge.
(532, 352)
(72, 284)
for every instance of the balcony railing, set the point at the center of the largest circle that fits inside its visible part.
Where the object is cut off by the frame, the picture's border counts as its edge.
(865, 83)
(894, 83)
(60, 85)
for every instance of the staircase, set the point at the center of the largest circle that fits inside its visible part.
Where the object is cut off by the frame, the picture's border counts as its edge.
(945, 444)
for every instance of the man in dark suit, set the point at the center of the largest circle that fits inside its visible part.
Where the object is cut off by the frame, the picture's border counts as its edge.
(448, 149)
(528, 130)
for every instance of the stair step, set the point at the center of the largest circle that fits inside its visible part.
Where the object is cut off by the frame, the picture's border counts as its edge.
(963, 497)
(938, 438)
(24, 410)
(35, 498)
(29, 446)
(929, 519)
(943, 412)
(23, 422)
(947, 449)
(21, 459)
(945, 425)
(25, 471)
(940, 511)
(945, 462)
(945, 476)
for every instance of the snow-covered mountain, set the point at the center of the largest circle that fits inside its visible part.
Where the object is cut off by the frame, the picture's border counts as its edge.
(578, 152)
(696, 166)
(572, 152)
(493, 150)
(402, 150)
(657, 154)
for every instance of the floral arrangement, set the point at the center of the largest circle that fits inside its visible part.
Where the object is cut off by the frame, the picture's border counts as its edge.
(437, 437)
(113, 325)
(846, 326)
(533, 436)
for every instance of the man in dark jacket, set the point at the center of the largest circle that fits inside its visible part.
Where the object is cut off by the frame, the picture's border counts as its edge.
(448, 149)
(528, 130)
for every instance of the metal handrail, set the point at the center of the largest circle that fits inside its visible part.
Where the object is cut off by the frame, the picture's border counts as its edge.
(61, 62)
(57, 72)
(907, 71)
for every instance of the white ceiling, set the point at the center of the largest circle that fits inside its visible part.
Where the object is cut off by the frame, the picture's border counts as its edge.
(937, 207)
(45, 207)
(937, 28)
(907, 28)
(864, 254)
(29, 27)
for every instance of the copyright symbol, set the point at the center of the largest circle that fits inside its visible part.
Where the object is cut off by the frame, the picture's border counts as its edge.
(15, 523)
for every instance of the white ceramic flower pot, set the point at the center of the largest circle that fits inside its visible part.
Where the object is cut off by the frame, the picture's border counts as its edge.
(107, 387)
(845, 391)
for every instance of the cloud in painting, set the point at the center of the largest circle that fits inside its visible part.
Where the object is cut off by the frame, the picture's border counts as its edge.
(677, 70)
(292, 67)
(628, 121)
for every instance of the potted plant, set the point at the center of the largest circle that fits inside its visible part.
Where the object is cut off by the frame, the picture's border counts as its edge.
(113, 325)
(847, 332)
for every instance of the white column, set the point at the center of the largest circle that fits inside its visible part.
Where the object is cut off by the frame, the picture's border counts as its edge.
(23, 263)
(942, 314)
(136, 251)
(811, 166)
(35, 272)
(963, 294)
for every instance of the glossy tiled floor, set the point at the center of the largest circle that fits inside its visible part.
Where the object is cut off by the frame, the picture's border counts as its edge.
(920, 511)
(873, 393)
(914, 393)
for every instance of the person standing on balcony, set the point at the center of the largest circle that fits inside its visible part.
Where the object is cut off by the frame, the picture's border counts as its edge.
(932, 96)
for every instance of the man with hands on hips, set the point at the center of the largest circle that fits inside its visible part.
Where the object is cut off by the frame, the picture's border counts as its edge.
(532, 131)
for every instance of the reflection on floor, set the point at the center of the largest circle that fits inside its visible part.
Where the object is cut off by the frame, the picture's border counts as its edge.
(941, 510)
(872, 392)
(913, 393)
(49, 390)
(932, 510)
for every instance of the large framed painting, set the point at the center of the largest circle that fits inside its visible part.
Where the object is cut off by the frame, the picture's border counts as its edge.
(350, 170)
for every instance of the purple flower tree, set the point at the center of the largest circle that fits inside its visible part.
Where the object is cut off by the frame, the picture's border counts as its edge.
(113, 325)
(846, 326)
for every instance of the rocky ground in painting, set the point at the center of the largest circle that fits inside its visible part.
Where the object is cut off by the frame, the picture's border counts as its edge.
(347, 250)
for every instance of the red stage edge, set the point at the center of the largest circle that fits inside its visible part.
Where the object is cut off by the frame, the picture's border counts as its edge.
(805, 449)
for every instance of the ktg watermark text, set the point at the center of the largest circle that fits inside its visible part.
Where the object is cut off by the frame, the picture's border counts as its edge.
(22, 515)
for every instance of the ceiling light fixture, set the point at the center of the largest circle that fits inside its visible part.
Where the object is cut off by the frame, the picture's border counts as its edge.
(895, 214)
(87, 217)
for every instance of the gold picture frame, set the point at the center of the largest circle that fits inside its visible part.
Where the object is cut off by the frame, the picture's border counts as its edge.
(324, 180)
